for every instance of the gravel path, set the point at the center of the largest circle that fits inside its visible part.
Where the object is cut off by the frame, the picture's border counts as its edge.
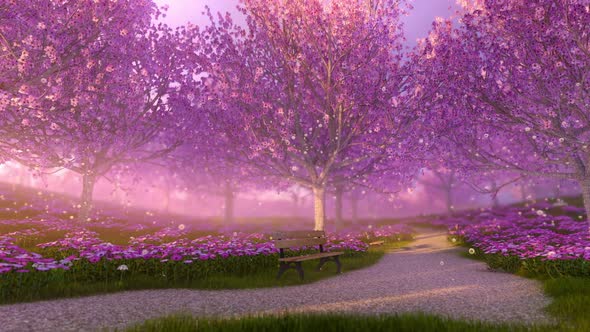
(428, 276)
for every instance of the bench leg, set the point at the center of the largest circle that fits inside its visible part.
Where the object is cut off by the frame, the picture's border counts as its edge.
(335, 259)
(321, 264)
(299, 269)
(283, 267)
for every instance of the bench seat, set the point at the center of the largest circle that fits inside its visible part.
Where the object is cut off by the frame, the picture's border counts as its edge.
(312, 256)
(298, 239)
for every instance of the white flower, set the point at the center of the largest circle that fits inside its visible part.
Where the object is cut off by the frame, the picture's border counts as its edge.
(484, 73)
(123, 267)
(471, 251)
(181, 226)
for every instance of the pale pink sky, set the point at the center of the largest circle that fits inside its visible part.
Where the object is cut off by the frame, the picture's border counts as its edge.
(417, 23)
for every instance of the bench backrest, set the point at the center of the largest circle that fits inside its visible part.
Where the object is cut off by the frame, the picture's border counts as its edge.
(285, 240)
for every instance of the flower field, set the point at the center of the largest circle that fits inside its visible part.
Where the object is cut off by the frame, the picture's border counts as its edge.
(46, 247)
(166, 244)
(539, 239)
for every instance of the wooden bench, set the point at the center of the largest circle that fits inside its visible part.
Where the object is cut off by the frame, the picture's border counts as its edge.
(297, 239)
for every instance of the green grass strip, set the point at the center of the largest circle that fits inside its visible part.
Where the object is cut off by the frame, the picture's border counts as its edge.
(328, 323)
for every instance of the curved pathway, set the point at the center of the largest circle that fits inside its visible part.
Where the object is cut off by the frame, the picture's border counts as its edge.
(427, 276)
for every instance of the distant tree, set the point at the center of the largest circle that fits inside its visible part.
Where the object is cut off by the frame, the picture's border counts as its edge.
(298, 196)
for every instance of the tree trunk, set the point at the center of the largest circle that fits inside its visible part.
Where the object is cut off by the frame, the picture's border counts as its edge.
(523, 193)
(557, 190)
(319, 200)
(449, 194)
(585, 184)
(167, 198)
(495, 200)
(229, 204)
(354, 205)
(167, 202)
(371, 207)
(295, 200)
(338, 207)
(22, 177)
(88, 182)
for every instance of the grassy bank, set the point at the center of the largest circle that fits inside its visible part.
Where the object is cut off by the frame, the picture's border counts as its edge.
(328, 323)
(566, 282)
(571, 301)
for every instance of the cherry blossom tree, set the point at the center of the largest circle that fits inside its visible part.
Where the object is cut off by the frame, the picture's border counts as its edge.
(314, 92)
(338, 204)
(516, 76)
(298, 197)
(210, 179)
(206, 163)
(165, 181)
(354, 196)
(92, 86)
(355, 191)
(444, 182)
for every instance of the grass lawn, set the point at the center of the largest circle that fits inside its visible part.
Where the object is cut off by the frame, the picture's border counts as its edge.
(327, 323)
(571, 301)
